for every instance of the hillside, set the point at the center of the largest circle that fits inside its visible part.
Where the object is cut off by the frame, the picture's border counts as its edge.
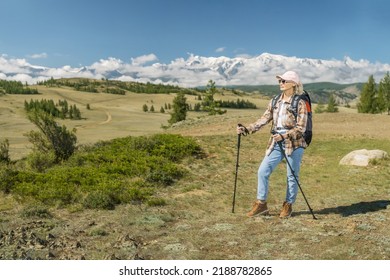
(351, 203)
(320, 92)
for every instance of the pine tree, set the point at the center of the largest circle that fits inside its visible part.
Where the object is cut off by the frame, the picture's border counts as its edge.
(197, 107)
(380, 101)
(384, 90)
(332, 105)
(179, 108)
(367, 97)
(52, 136)
(208, 100)
(320, 108)
(208, 103)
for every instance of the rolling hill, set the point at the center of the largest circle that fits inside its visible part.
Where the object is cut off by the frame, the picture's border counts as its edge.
(195, 222)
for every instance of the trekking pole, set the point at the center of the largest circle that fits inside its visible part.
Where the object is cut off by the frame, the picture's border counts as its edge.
(237, 162)
(295, 177)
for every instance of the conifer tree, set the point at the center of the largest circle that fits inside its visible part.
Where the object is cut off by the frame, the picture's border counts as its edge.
(380, 101)
(52, 136)
(367, 97)
(208, 100)
(208, 103)
(332, 105)
(384, 90)
(179, 108)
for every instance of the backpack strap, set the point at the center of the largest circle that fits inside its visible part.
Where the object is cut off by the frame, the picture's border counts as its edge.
(275, 99)
(273, 104)
(294, 105)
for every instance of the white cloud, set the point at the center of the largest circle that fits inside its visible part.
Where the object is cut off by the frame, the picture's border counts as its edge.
(107, 65)
(221, 49)
(244, 55)
(38, 55)
(143, 59)
(197, 70)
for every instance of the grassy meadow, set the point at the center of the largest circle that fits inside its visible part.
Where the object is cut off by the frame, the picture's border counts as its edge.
(195, 221)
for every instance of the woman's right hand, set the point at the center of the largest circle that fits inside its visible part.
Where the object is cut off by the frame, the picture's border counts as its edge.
(242, 129)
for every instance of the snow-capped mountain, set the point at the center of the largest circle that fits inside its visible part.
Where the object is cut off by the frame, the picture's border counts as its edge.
(198, 70)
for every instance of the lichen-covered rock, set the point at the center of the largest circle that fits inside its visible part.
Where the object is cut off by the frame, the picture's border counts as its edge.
(362, 157)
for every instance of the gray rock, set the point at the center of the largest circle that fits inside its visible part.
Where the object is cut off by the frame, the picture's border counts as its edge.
(362, 157)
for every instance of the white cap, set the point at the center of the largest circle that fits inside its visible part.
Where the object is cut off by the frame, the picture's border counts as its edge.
(290, 76)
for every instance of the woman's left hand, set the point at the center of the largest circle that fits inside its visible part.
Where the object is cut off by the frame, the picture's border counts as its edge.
(278, 137)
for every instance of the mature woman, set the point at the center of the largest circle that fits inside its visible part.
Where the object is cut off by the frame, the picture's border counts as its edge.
(289, 130)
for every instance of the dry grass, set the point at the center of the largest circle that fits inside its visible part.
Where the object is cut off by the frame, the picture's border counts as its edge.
(351, 203)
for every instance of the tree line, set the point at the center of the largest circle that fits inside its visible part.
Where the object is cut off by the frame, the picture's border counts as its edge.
(375, 98)
(116, 87)
(16, 87)
(61, 110)
(208, 104)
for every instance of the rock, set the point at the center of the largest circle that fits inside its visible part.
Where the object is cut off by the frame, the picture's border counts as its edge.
(362, 157)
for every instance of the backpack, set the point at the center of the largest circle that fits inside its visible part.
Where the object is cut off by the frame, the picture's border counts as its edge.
(307, 135)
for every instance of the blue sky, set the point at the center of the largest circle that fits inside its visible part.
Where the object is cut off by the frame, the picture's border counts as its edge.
(54, 33)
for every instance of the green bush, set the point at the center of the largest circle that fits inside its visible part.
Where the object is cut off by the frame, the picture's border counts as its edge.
(8, 177)
(36, 211)
(99, 200)
(4, 151)
(156, 202)
(173, 147)
(162, 171)
(124, 170)
(39, 161)
(52, 136)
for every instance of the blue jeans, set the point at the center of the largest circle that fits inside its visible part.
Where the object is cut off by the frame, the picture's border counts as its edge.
(267, 166)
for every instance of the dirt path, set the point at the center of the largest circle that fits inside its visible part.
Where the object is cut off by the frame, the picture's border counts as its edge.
(109, 118)
(77, 101)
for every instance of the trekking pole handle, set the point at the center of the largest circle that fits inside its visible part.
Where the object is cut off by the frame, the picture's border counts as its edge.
(273, 132)
(245, 132)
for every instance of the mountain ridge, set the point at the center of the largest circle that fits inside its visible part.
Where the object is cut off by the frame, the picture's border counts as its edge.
(196, 70)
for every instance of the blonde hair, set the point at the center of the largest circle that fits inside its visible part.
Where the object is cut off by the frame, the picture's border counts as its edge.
(298, 88)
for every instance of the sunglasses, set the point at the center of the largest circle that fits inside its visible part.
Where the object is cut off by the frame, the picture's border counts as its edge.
(282, 81)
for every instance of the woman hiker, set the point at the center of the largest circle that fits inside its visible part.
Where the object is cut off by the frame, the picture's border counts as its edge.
(289, 131)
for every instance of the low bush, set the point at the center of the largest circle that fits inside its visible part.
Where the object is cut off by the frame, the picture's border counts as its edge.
(124, 170)
(4, 151)
(36, 211)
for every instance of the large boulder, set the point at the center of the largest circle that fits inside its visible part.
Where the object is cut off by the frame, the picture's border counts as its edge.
(362, 157)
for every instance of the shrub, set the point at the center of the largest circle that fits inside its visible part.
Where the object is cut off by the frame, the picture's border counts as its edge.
(99, 200)
(123, 170)
(156, 202)
(8, 177)
(171, 146)
(39, 162)
(163, 172)
(4, 151)
(36, 211)
(52, 136)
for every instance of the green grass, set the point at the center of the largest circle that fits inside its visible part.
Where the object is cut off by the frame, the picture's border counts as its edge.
(323, 180)
(167, 205)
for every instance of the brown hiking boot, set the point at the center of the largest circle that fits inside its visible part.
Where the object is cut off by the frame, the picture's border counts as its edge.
(286, 210)
(258, 208)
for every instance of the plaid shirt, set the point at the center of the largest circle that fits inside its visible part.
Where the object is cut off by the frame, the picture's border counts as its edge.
(295, 129)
